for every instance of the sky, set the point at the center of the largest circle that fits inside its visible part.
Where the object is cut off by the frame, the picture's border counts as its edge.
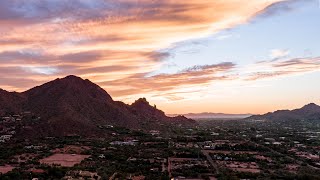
(184, 56)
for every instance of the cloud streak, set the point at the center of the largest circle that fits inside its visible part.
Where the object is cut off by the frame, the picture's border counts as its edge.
(279, 53)
(177, 83)
(281, 68)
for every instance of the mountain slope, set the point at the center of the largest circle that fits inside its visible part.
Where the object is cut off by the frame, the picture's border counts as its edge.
(72, 105)
(308, 112)
(10, 102)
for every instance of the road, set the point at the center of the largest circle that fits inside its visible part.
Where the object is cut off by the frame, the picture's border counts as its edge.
(271, 150)
(209, 158)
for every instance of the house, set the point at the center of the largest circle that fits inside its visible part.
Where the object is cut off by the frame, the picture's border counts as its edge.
(214, 134)
(36, 171)
(124, 143)
(33, 147)
(276, 143)
(154, 132)
(5, 137)
(88, 174)
(102, 156)
(76, 175)
(136, 177)
(270, 139)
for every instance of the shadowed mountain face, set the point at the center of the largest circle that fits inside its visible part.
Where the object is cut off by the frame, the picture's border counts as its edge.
(144, 110)
(307, 112)
(142, 107)
(75, 106)
(10, 101)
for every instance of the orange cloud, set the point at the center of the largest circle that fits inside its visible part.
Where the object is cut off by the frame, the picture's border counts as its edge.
(197, 76)
(115, 43)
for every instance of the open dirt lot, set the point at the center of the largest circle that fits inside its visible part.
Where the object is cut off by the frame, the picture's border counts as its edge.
(65, 160)
(5, 169)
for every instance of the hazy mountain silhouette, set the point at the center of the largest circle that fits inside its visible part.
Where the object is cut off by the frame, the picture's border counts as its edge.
(307, 112)
(72, 105)
(210, 115)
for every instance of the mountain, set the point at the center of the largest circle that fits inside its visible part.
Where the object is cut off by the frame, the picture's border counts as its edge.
(144, 110)
(72, 105)
(208, 115)
(308, 112)
(10, 101)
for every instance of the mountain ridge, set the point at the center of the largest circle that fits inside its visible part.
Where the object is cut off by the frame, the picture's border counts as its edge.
(310, 111)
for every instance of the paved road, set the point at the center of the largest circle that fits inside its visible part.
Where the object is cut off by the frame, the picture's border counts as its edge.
(213, 164)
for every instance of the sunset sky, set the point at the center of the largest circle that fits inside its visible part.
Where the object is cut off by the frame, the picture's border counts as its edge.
(230, 56)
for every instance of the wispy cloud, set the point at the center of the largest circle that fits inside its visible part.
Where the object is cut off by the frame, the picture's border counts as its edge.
(280, 68)
(279, 53)
(283, 7)
(223, 37)
(40, 70)
(197, 76)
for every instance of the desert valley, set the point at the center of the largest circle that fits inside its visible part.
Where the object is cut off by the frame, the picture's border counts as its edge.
(159, 90)
(71, 128)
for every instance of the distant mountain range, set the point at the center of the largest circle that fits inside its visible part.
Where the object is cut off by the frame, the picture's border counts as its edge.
(208, 115)
(307, 112)
(72, 105)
